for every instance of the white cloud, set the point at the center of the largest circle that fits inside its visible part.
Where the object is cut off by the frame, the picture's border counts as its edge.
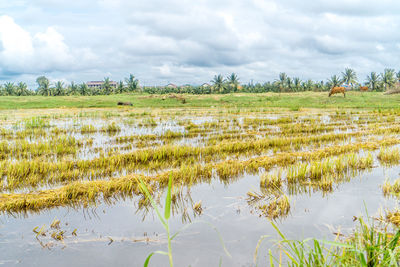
(22, 52)
(190, 41)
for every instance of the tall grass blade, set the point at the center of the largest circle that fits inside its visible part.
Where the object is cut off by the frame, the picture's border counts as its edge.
(144, 189)
(167, 212)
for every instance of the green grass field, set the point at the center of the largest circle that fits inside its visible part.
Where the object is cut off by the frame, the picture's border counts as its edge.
(372, 100)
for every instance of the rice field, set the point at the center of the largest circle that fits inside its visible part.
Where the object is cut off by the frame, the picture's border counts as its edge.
(71, 193)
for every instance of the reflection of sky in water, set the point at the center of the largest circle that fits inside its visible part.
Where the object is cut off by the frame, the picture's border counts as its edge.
(311, 215)
(224, 206)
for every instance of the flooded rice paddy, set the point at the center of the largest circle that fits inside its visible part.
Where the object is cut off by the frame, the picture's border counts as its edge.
(70, 191)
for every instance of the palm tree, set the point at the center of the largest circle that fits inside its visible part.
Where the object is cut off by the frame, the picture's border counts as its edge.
(132, 83)
(349, 76)
(59, 88)
(289, 83)
(44, 85)
(22, 89)
(334, 81)
(107, 86)
(9, 88)
(84, 89)
(120, 88)
(296, 83)
(233, 81)
(388, 78)
(373, 81)
(308, 85)
(73, 89)
(398, 76)
(281, 82)
(219, 83)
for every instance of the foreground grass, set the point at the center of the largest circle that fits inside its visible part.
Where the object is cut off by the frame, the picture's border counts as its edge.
(370, 100)
(369, 245)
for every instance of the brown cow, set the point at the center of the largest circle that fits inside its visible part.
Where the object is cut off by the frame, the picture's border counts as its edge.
(337, 90)
(363, 88)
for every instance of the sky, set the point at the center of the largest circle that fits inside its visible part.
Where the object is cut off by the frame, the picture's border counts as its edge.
(188, 42)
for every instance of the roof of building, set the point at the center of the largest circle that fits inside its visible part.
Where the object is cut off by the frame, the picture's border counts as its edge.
(99, 82)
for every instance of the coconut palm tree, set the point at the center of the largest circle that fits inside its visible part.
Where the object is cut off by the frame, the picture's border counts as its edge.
(84, 89)
(9, 88)
(107, 86)
(73, 89)
(120, 88)
(349, 76)
(132, 84)
(296, 83)
(22, 89)
(398, 76)
(233, 82)
(388, 78)
(219, 84)
(44, 85)
(281, 82)
(59, 88)
(289, 83)
(335, 81)
(373, 81)
(308, 85)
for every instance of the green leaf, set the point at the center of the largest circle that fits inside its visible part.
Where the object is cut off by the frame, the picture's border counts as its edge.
(271, 258)
(338, 244)
(146, 263)
(167, 211)
(144, 188)
(394, 241)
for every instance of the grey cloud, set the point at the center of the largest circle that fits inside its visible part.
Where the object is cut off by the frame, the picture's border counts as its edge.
(189, 42)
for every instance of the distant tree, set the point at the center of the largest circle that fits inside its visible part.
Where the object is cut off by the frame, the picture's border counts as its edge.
(308, 85)
(132, 84)
(219, 85)
(373, 81)
(296, 84)
(335, 81)
(233, 82)
(120, 88)
(349, 76)
(281, 82)
(398, 76)
(73, 89)
(107, 88)
(289, 83)
(9, 88)
(319, 86)
(22, 89)
(43, 85)
(84, 89)
(388, 78)
(59, 88)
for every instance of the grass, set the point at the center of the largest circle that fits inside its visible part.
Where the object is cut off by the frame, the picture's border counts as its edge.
(369, 245)
(293, 101)
(389, 156)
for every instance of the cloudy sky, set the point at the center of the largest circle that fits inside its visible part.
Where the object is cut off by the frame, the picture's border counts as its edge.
(190, 41)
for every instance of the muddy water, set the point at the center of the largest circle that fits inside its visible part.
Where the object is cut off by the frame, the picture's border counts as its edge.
(225, 207)
(120, 235)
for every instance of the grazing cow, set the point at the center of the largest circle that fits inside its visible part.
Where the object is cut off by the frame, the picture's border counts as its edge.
(124, 104)
(363, 88)
(337, 90)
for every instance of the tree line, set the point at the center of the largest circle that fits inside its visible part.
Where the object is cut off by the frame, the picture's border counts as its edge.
(45, 88)
(284, 83)
(219, 84)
